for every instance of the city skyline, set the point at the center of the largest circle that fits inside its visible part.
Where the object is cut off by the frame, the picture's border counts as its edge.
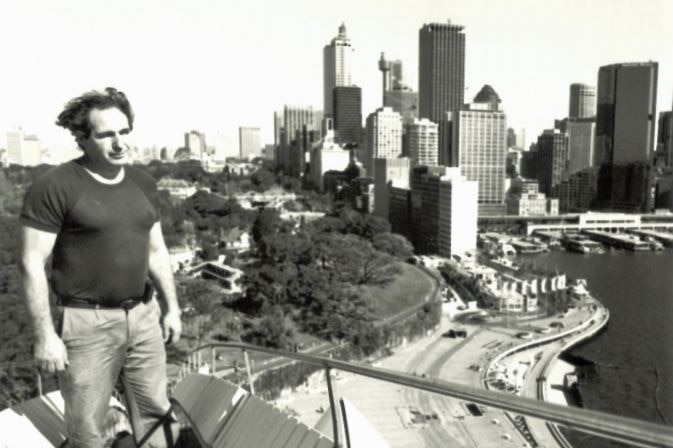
(210, 68)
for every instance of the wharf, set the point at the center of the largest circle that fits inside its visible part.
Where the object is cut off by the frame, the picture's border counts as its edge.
(665, 238)
(619, 241)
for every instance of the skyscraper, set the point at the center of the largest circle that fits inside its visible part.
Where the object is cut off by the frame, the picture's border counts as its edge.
(347, 114)
(423, 140)
(552, 159)
(384, 136)
(581, 132)
(441, 69)
(476, 141)
(336, 67)
(24, 150)
(195, 142)
(626, 112)
(443, 211)
(249, 142)
(665, 135)
(582, 101)
(626, 108)
(278, 124)
(388, 173)
(295, 118)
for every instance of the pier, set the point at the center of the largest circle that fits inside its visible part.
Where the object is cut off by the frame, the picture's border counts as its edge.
(619, 241)
(665, 238)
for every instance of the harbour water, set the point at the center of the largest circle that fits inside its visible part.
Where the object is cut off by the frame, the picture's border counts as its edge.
(634, 356)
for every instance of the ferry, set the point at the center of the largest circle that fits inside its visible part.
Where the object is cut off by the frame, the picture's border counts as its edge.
(583, 246)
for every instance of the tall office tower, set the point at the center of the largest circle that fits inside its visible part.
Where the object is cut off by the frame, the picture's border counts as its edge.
(384, 136)
(443, 211)
(24, 150)
(337, 58)
(511, 138)
(388, 173)
(582, 101)
(195, 143)
(423, 140)
(476, 141)
(665, 135)
(295, 118)
(397, 75)
(626, 110)
(278, 124)
(347, 114)
(552, 159)
(249, 142)
(581, 133)
(441, 69)
(521, 139)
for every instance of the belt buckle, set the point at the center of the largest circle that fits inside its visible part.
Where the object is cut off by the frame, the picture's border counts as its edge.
(128, 304)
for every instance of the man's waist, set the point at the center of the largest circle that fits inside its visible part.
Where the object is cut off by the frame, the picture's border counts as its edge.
(127, 304)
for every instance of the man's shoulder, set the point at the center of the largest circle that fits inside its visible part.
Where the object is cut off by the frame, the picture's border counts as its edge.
(63, 174)
(141, 176)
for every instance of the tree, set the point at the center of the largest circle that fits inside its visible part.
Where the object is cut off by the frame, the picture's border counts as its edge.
(263, 179)
(266, 223)
(393, 244)
(275, 331)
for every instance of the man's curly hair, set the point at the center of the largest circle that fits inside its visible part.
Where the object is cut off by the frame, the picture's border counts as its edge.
(75, 115)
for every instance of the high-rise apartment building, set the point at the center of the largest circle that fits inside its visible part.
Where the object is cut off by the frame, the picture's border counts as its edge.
(384, 136)
(552, 159)
(278, 125)
(476, 141)
(24, 150)
(582, 101)
(626, 108)
(443, 211)
(295, 118)
(347, 114)
(581, 133)
(249, 142)
(337, 60)
(388, 173)
(423, 138)
(441, 69)
(195, 143)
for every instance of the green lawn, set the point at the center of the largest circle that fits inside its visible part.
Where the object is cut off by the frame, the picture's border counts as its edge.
(407, 290)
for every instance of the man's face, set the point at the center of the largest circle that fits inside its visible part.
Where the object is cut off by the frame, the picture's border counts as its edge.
(107, 143)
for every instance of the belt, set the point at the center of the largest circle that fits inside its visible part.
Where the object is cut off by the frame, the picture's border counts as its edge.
(126, 304)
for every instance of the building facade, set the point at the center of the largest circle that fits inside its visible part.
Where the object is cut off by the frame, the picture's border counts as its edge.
(552, 159)
(476, 141)
(337, 60)
(249, 142)
(441, 69)
(582, 101)
(348, 114)
(388, 173)
(423, 143)
(22, 149)
(327, 155)
(626, 108)
(581, 133)
(384, 136)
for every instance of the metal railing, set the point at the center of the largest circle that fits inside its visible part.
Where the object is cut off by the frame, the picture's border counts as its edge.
(622, 429)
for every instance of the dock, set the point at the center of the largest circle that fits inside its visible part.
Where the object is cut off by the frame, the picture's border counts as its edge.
(620, 241)
(665, 238)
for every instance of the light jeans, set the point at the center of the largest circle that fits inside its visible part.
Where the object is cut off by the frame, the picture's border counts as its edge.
(100, 343)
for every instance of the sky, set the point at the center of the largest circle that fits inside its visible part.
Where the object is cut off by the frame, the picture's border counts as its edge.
(215, 65)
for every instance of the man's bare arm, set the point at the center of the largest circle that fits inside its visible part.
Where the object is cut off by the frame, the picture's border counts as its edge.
(50, 352)
(162, 276)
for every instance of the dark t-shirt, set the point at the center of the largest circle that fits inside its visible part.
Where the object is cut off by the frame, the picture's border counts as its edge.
(102, 248)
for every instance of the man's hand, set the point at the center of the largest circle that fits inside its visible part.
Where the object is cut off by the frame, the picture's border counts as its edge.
(50, 353)
(172, 327)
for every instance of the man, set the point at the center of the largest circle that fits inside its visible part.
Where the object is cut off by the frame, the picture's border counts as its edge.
(98, 219)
